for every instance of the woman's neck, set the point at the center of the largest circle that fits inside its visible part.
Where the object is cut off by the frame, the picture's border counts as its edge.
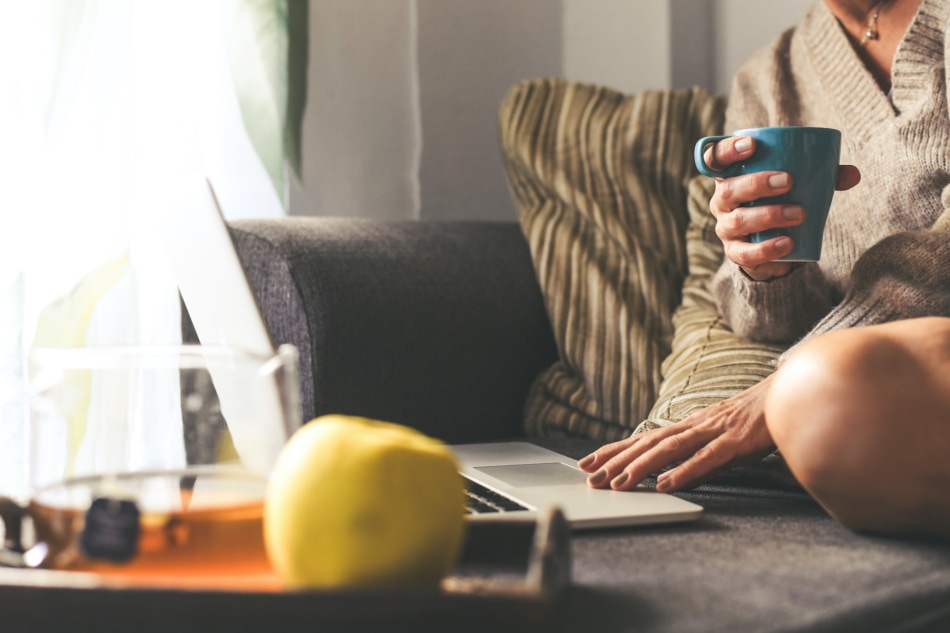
(875, 28)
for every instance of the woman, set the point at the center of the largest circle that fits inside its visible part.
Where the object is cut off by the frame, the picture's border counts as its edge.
(861, 414)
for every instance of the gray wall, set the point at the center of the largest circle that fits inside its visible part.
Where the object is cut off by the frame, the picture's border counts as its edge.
(400, 122)
(742, 26)
(360, 129)
(470, 53)
(636, 45)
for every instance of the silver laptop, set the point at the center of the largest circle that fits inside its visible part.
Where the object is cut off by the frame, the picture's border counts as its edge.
(224, 312)
(515, 480)
(209, 273)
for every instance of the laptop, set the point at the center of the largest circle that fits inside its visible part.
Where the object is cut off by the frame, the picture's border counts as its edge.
(507, 481)
(510, 481)
(224, 312)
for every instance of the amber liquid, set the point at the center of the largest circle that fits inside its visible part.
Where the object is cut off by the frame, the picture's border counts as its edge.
(189, 537)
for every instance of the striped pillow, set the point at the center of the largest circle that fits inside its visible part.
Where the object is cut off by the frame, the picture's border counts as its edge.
(708, 362)
(600, 183)
(611, 208)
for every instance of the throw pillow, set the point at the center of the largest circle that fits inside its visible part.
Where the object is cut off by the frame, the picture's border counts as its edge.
(708, 362)
(600, 183)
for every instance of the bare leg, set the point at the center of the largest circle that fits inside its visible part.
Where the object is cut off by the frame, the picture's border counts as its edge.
(862, 417)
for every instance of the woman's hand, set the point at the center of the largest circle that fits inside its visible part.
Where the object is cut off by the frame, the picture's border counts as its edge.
(734, 223)
(729, 433)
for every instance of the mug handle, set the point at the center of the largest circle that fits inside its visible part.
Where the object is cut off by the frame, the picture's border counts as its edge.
(706, 170)
(12, 514)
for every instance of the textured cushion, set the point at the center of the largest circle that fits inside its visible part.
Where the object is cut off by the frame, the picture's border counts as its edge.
(436, 325)
(600, 182)
(761, 558)
(708, 362)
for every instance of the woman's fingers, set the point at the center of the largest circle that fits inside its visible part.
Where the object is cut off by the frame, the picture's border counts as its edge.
(771, 269)
(623, 465)
(608, 461)
(728, 151)
(741, 222)
(734, 192)
(731, 193)
(673, 448)
(848, 177)
(758, 260)
(605, 453)
(726, 433)
(734, 222)
(707, 460)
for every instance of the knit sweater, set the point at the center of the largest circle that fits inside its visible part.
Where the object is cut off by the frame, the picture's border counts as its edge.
(886, 251)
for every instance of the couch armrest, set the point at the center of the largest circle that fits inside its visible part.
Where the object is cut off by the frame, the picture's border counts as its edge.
(439, 326)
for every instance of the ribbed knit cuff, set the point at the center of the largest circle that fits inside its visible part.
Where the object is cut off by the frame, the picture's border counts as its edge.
(778, 310)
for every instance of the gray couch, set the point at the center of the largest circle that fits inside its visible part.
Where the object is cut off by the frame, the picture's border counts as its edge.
(441, 326)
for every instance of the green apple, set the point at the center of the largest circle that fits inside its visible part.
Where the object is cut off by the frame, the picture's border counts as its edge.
(354, 502)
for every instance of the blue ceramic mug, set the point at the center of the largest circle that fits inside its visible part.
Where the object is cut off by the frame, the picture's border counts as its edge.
(810, 155)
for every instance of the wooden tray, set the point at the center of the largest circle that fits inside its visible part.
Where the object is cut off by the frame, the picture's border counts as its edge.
(508, 578)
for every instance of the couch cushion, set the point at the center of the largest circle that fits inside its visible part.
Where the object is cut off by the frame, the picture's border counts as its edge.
(436, 325)
(762, 558)
(600, 182)
(709, 363)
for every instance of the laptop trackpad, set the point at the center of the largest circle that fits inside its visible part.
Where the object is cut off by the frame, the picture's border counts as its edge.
(527, 475)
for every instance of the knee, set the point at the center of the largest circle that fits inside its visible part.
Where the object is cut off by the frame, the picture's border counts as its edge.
(822, 387)
(830, 411)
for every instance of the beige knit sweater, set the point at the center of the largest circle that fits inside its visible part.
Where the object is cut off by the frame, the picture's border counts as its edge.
(886, 255)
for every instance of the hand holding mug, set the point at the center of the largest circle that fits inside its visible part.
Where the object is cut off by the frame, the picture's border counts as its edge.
(773, 190)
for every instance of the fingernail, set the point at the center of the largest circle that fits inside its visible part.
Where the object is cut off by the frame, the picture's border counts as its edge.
(743, 145)
(778, 181)
(620, 481)
(587, 461)
(783, 244)
(663, 476)
(597, 477)
(792, 213)
(664, 484)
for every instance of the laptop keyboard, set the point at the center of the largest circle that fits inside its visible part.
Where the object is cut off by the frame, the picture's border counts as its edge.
(482, 500)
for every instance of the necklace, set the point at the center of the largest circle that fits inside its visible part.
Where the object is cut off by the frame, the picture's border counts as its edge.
(871, 32)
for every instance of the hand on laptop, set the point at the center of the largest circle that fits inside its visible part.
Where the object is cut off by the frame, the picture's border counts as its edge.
(728, 433)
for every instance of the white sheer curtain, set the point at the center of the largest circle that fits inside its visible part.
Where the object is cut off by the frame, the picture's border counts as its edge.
(108, 108)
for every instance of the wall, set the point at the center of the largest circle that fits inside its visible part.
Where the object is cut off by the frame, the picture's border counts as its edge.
(743, 26)
(470, 53)
(400, 122)
(360, 129)
(634, 45)
(620, 43)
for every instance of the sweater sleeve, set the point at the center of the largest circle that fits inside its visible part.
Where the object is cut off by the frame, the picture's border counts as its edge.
(776, 311)
(780, 310)
(904, 276)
